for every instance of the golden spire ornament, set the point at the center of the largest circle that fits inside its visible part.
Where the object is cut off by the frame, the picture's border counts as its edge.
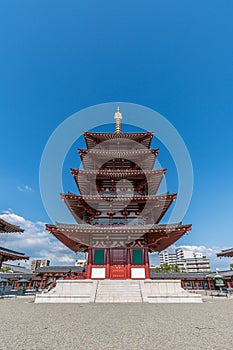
(118, 117)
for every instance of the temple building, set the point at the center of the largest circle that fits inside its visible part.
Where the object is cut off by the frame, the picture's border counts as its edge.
(226, 253)
(117, 209)
(8, 254)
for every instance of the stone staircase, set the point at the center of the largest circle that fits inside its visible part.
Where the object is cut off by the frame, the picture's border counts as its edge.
(118, 291)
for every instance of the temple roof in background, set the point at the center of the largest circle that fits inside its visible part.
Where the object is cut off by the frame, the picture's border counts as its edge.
(6, 227)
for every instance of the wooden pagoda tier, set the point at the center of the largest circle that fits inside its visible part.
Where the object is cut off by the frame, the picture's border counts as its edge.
(118, 159)
(226, 253)
(82, 237)
(93, 139)
(6, 227)
(7, 254)
(118, 252)
(94, 181)
(118, 209)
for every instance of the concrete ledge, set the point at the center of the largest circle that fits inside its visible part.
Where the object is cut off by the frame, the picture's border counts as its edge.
(168, 291)
(69, 291)
(62, 299)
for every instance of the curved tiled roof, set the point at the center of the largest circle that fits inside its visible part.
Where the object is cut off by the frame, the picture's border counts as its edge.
(6, 227)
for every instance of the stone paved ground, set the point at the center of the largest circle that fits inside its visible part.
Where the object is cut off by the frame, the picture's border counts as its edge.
(29, 326)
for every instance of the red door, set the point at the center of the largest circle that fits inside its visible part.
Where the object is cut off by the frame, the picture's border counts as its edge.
(118, 263)
(117, 272)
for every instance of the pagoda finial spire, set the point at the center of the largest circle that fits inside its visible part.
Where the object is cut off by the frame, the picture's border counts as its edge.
(118, 117)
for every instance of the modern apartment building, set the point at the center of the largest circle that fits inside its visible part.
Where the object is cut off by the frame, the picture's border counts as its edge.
(37, 263)
(188, 261)
(168, 258)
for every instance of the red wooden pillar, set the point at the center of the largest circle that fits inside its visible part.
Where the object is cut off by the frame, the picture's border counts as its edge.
(228, 284)
(147, 265)
(29, 285)
(41, 282)
(209, 284)
(89, 263)
(46, 281)
(196, 282)
(107, 262)
(129, 263)
(53, 281)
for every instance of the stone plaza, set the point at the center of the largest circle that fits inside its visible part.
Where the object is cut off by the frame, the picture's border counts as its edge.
(29, 326)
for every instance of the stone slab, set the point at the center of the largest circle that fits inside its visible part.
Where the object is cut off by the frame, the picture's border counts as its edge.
(167, 291)
(69, 291)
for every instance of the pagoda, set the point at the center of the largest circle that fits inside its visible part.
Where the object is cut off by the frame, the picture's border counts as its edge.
(117, 209)
(5, 253)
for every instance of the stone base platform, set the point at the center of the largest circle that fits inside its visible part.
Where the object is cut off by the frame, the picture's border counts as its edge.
(118, 291)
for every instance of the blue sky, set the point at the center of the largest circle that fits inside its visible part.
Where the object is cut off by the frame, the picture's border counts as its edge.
(175, 57)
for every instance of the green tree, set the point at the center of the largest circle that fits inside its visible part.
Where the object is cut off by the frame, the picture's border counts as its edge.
(167, 268)
(175, 268)
(231, 266)
(5, 269)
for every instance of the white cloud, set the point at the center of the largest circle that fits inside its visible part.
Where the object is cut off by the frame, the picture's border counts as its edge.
(208, 252)
(24, 188)
(35, 241)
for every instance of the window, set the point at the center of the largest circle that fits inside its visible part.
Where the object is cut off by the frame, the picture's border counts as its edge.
(99, 257)
(137, 257)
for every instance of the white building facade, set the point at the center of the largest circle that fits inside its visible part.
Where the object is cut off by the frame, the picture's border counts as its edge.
(188, 261)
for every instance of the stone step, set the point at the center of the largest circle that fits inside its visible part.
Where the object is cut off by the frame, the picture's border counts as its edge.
(117, 300)
(118, 288)
(118, 291)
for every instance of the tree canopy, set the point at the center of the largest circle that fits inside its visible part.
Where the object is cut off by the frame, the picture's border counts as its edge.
(166, 268)
(5, 269)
